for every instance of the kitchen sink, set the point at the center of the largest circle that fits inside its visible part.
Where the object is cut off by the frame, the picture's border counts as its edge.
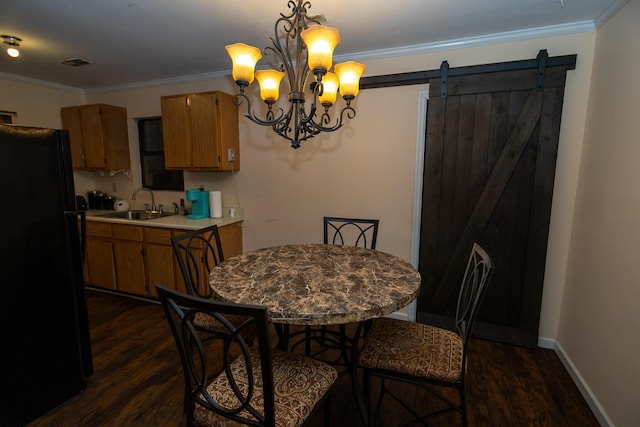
(139, 215)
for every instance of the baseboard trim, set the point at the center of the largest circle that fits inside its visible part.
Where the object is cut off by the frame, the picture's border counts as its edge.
(584, 388)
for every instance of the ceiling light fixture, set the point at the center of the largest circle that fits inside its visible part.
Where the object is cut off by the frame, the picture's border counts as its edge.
(302, 45)
(13, 43)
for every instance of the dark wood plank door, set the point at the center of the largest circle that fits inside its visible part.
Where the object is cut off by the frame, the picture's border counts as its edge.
(488, 177)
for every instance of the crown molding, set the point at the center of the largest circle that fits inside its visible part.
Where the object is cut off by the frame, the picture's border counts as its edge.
(532, 33)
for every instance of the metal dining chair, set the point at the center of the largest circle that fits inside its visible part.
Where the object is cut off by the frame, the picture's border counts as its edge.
(234, 383)
(198, 252)
(423, 355)
(346, 232)
(351, 231)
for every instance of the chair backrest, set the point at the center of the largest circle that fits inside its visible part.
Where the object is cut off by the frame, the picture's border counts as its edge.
(351, 231)
(474, 284)
(198, 252)
(229, 378)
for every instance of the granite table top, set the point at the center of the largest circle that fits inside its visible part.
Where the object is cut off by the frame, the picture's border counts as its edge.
(317, 284)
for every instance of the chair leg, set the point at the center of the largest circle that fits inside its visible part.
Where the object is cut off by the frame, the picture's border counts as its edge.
(463, 405)
(327, 411)
(283, 335)
(368, 397)
(307, 340)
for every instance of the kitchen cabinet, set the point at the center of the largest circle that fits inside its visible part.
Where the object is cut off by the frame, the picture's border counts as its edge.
(100, 261)
(98, 135)
(160, 260)
(231, 239)
(129, 255)
(200, 131)
(132, 259)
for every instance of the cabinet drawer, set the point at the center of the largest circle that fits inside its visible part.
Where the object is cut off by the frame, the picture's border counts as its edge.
(157, 235)
(127, 232)
(98, 229)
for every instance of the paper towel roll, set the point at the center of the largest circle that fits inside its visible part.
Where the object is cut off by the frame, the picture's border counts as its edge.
(215, 204)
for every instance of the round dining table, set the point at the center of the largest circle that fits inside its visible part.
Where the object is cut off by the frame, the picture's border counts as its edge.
(317, 284)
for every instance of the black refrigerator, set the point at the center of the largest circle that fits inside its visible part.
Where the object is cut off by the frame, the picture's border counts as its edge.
(45, 332)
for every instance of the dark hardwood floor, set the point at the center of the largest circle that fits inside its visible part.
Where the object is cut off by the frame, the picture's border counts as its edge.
(138, 380)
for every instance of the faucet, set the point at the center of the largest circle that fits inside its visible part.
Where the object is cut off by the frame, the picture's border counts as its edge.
(153, 199)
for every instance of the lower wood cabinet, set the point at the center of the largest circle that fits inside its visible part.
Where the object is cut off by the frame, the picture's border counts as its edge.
(132, 259)
(128, 247)
(160, 260)
(101, 264)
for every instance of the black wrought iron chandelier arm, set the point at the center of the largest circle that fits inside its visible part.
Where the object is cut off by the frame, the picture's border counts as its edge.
(325, 119)
(271, 120)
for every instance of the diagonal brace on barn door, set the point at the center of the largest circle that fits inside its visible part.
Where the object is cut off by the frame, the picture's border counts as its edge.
(492, 191)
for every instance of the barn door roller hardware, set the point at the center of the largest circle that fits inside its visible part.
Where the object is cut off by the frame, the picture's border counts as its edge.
(541, 62)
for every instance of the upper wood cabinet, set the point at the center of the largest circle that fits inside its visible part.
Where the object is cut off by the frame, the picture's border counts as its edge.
(199, 130)
(98, 135)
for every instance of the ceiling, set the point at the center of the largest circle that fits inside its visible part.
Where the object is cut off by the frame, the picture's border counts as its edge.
(134, 42)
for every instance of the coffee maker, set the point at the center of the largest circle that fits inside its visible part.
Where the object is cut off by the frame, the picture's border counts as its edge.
(199, 203)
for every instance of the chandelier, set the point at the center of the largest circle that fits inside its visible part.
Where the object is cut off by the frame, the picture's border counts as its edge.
(303, 47)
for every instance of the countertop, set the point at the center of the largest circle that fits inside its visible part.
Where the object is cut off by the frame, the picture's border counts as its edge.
(171, 221)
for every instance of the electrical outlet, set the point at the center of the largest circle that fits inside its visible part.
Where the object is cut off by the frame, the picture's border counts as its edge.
(114, 187)
(231, 155)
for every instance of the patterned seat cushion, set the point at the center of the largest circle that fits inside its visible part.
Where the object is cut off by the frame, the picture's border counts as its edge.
(414, 349)
(210, 323)
(299, 384)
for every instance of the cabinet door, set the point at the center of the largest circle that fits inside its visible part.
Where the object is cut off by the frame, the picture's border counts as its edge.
(130, 267)
(95, 152)
(205, 130)
(159, 259)
(231, 240)
(160, 269)
(98, 135)
(101, 263)
(71, 122)
(115, 134)
(176, 132)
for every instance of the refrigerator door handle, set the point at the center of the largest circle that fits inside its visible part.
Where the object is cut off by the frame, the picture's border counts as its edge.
(83, 235)
(82, 215)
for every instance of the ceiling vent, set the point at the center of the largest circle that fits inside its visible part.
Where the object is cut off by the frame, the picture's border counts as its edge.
(76, 62)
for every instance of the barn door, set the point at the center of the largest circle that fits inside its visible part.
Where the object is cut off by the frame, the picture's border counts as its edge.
(490, 157)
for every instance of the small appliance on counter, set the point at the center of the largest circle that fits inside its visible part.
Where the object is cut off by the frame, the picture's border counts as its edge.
(81, 203)
(199, 203)
(100, 200)
(95, 199)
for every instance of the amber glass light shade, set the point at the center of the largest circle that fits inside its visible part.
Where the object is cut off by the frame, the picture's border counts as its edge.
(330, 83)
(320, 41)
(269, 81)
(349, 74)
(244, 59)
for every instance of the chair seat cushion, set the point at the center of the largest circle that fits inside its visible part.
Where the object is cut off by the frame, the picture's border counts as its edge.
(413, 349)
(210, 323)
(299, 384)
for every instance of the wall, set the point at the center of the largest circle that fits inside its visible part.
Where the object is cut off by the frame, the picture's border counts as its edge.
(36, 105)
(600, 318)
(367, 169)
